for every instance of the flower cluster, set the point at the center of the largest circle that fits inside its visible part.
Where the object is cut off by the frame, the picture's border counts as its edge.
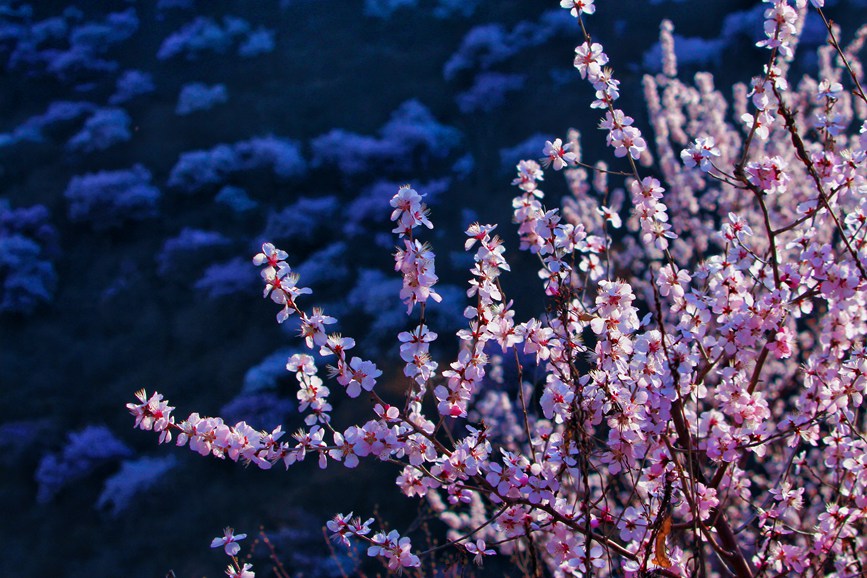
(684, 403)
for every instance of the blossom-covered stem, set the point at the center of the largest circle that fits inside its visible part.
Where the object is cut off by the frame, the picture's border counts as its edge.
(490, 520)
(832, 40)
(524, 412)
(772, 237)
(730, 549)
(798, 143)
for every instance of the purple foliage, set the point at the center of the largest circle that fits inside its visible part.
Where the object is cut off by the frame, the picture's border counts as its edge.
(130, 84)
(325, 266)
(105, 128)
(65, 46)
(133, 478)
(529, 148)
(110, 198)
(489, 91)
(413, 125)
(27, 240)
(85, 450)
(100, 36)
(186, 249)
(302, 219)
(232, 277)
(464, 166)
(385, 8)
(175, 5)
(260, 41)
(57, 112)
(331, 149)
(691, 51)
(19, 438)
(442, 9)
(260, 410)
(448, 316)
(75, 62)
(489, 44)
(482, 47)
(27, 278)
(282, 156)
(32, 222)
(410, 129)
(236, 199)
(462, 8)
(203, 35)
(376, 294)
(197, 96)
(266, 375)
(198, 170)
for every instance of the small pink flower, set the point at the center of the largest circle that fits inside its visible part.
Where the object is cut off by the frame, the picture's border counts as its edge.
(229, 541)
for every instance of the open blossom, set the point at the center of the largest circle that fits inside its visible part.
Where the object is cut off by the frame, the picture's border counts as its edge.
(557, 154)
(577, 7)
(409, 212)
(768, 175)
(360, 375)
(245, 571)
(229, 542)
(479, 549)
(700, 154)
(589, 59)
(529, 173)
(395, 549)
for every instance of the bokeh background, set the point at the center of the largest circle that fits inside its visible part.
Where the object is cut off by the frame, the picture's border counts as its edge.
(148, 148)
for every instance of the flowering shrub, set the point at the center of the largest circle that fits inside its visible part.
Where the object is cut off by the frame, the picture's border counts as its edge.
(105, 128)
(109, 199)
(197, 96)
(696, 403)
(84, 451)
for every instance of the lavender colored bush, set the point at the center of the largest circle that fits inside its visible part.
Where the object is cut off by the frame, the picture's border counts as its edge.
(265, 409)
(526, 149)
(303, 219)
(84, 451)
(442, 9)
(268, 373)
(376, 295)
(98, 37)
(108, 199)
(27, 277)
(189, 247)
(131, 84)
(133, 478)
(105, 128)
(488, 91)
(197, 96)
(33, 128)
(199, 170)
(282, 156)
(226, 278)
(489, 44)
(236, 199)
(411, 130)
(28, 241)
(203, 35)
(33, 222)
(327, 266)
(259, 41)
